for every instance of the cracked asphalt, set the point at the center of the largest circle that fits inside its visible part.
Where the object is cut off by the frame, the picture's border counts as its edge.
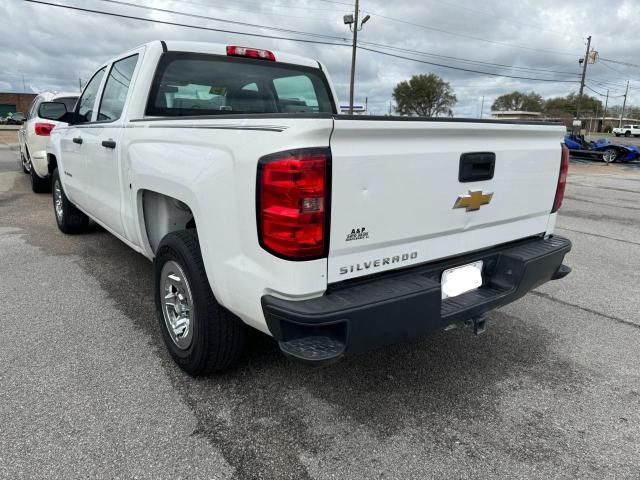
(87, 390)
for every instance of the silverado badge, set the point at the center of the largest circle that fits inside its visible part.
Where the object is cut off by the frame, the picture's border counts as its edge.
(473, 200)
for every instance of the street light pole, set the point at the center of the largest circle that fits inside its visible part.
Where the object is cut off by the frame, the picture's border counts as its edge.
(353, 58)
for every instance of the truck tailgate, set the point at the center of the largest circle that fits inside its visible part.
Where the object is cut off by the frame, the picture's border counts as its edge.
(395, 184)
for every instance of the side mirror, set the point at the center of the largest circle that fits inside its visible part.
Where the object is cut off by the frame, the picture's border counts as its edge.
(56, 111)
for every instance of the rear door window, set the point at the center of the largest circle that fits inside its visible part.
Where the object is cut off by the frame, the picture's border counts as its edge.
(200, 84)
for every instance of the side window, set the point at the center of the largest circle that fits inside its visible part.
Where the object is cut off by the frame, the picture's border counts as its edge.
(116, 88)
(84, 107)
(296, 94)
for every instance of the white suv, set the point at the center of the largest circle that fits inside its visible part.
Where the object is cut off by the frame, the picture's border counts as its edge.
(627, 131)
(33, 138)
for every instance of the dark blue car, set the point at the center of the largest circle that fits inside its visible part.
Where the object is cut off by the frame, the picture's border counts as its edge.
(601, 148)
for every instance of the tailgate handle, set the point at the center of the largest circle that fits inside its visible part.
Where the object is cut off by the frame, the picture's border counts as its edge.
(476, 166)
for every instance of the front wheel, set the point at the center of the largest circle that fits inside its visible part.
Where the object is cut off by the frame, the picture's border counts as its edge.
(69, 219)
(617, 134)
(610, 155)
(627, 134)
(201, 335)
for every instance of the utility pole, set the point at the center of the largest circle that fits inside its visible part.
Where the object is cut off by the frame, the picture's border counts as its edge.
(604, 114)
(482, 107)
(355, 27)
(80, 84)
(584, 62)
(624, 104)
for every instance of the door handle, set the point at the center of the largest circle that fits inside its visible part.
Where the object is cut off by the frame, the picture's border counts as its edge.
(78, 140)
(109, 143)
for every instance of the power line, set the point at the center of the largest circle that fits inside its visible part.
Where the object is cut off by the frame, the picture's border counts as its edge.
(465, 60)
(487, 14)
(216, 19)
(212, 3)
(466, 69)
(197, 27)
(627, 64)
(337, 3)
(120, 2)
(463, 35)
(186, 25)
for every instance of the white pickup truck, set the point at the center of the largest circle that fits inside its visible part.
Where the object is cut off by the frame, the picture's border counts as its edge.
(627, 131)
(259, 205)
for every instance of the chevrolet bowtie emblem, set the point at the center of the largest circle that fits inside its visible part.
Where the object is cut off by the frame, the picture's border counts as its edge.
(473, 200)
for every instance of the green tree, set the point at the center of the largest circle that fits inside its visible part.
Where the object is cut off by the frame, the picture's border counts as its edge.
(529, 102)
(566, 106)
(425, 96)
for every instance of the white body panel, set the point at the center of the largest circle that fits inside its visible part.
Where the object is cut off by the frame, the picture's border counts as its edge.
(398, 178)
(399, 181)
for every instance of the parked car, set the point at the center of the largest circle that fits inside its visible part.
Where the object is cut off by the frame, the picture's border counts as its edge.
(601, 149)
(33, 138)
(261, 206)
(15, 119)
(627, 131)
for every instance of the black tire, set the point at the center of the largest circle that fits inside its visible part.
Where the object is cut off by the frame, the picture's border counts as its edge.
(217, 335)
(39, 185)
(617, 134)
(627, 134)
(71, 220)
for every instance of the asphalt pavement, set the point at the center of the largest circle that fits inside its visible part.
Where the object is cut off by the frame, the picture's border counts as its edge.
(87, 389)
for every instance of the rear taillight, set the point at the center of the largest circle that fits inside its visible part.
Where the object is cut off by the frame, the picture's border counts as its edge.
(44, 129)
(562, 179)
(234, 51)
(293, 203)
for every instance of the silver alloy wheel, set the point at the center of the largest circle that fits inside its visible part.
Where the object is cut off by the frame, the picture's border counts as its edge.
(177, 304)
(610, 155)
(57, 200)
(26, 164)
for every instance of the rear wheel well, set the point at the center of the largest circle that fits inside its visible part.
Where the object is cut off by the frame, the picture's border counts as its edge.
(163, 214)
(52, 163)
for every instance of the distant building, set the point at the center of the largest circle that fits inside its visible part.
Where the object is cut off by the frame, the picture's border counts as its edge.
(517, 115)
(15, 102)
(357, 109)
(599, 124)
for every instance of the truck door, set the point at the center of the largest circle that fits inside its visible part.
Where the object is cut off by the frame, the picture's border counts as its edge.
(73, 173)
(103, 151)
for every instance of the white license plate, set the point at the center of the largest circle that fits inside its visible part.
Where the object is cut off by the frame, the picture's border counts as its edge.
(459, 280)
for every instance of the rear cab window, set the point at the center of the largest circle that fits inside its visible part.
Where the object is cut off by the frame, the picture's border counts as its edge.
(188, 84)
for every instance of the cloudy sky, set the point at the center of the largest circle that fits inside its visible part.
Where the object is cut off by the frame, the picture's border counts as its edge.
(46, 47)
